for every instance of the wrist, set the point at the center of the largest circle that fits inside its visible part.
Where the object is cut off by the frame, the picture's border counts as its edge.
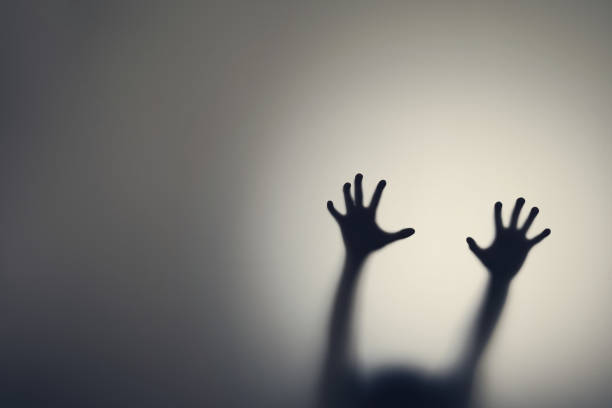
(499, 283)
(353, 262)
(356, 257)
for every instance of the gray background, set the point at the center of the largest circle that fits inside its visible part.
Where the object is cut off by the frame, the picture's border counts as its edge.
(164, 170)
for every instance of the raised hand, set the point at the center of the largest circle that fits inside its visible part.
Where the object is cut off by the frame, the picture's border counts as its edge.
(510, 247)
(361, 237)
(360, 232)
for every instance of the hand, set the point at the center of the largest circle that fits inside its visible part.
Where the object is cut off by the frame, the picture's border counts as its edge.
(506, 255)
(360, 233)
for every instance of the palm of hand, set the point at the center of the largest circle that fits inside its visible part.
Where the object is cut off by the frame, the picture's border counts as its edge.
(510, 247)
(360, 232)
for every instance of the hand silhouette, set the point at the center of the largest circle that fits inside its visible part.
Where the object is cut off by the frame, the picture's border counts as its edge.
(510, 247)
(360, 233)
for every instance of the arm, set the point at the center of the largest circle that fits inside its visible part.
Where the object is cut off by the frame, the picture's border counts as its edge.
(361, 236)
(486, 320)
(339, 325)
(503, 260)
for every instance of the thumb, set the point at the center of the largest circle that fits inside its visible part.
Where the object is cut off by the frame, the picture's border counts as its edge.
(396, 236)
(474, 247)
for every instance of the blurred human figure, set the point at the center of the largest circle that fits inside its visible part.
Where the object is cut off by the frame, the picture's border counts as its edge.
(342, 384)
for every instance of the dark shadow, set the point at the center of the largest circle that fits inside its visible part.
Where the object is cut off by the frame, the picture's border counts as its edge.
(342, 385)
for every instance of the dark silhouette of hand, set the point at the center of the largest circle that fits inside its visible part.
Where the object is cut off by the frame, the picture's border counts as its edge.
(510, 247)
(360, 232)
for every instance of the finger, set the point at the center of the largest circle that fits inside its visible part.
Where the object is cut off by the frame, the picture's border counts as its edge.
(396, 236)
(539, 237)
(333, 211)
(348, 201)
(532, 214)
(377, 193)
(516, 212)
(498, 218)
(474, 247)
(358, 190)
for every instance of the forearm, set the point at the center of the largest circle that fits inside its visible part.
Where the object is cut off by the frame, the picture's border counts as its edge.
(341, 319)
(336, 364)
(493, 302)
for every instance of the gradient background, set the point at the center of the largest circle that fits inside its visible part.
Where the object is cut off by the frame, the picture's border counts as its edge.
(164, 239)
